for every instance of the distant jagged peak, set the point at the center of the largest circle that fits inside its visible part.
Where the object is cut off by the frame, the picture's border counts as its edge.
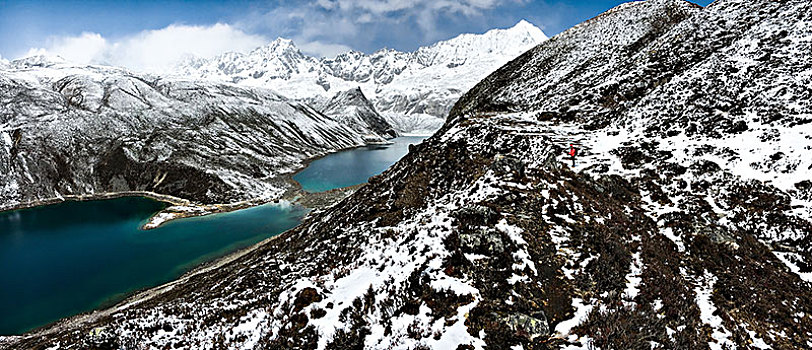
(523, 24)
(38, 61)
(280, 46)
(385, 51)
(192, 61)
(232, 55)
(351, 56)
(522, 30)
(507, 42)
(521, 27)
(390, 78)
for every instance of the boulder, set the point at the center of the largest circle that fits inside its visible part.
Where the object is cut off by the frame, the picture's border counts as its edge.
(528, 326)
(484, 240)
(476, 215)
(508, 166)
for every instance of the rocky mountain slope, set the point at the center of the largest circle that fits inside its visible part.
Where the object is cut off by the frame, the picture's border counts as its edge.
(81, 130)
(352, 108)
(413, 90)
(677, 228)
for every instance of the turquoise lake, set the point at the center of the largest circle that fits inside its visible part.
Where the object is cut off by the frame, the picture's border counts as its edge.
(63, 259)
(353, 167)
(67, 258)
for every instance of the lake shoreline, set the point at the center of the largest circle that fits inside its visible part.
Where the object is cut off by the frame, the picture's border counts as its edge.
(293, 193)
(179, 208)
(139, 295)
(165, 198)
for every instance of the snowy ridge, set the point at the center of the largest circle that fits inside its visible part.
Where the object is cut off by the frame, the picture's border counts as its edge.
(78, 130)
(352, 108)
(424, 83)
(551, 77)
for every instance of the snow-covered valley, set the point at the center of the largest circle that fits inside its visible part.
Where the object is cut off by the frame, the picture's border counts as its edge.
(78, 130)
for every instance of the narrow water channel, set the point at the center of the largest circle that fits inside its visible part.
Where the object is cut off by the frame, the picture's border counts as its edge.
(63, 259)
(354, 166)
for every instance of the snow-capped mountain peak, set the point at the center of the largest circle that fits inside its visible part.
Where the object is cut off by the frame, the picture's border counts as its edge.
(278, 47)
(532, 32)
(495, 42)
(399, 84)
(38, 61)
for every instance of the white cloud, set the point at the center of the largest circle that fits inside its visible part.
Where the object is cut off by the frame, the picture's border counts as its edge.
(84, 48)
(152, 50)
(363, 23)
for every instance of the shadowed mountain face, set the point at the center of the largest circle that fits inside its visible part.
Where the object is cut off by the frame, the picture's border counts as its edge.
(683, 224)
(80, 130)
(353, 109)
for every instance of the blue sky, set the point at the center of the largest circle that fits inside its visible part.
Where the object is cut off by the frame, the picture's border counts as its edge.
(120, 31)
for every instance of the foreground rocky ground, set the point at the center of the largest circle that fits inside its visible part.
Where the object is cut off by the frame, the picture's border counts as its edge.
(494, 244)
(678, 227)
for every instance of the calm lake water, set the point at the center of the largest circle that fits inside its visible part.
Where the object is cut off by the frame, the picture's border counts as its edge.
(63, 259)
(354, 166)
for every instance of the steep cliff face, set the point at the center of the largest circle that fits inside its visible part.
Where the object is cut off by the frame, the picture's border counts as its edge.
(487, 236)
(353, 109)
(80, 130)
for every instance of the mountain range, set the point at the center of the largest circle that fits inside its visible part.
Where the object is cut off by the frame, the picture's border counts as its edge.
(218, 132)
(81, 130)
(414, 91)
